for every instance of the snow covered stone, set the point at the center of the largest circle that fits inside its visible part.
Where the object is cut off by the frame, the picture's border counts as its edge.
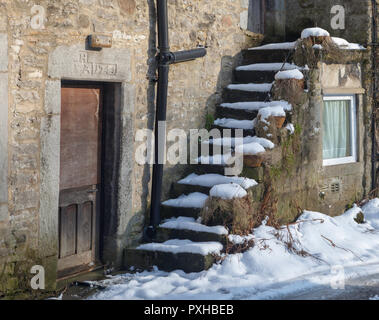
(184, 223)
(184, 246)
(256, 105)
(253, 148)
(251, 87)
(193, 200)
(235, 124)
(314, 32)
(268, 112)
(277, 66)
(289, 74)
(211, 180)
(228, 191)
(277, 46)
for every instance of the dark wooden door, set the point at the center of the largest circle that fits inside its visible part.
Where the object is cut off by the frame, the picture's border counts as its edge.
(256, 21)
(80, 178)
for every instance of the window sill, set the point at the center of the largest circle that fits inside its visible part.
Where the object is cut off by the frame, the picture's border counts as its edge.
(337, 162)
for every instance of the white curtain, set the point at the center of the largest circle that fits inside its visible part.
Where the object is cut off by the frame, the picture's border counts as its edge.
(336, 129)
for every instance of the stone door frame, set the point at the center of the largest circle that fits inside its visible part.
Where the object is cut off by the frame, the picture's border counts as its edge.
(75, 63)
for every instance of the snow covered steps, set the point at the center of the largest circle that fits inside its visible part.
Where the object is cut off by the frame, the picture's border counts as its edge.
(173, 255)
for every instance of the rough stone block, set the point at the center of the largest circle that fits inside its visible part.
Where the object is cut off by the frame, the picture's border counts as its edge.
(3, 52)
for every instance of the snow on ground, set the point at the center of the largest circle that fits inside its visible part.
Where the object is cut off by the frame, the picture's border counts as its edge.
(269, 270)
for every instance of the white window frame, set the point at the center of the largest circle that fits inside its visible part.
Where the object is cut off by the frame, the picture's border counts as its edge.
(353, 131)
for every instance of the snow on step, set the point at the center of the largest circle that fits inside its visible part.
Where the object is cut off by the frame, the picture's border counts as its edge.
(250, 149)
(184, 246)
(228, 191)
(218, 159)
(211, 180)
(268, 67)
(314, 32)
(277, 46)
(289, 74)
(268, 112)
(256, 105)
(235, 124)
(344, 44)
(194, 200)
(183, 223)
(251, 87)
(231, 142)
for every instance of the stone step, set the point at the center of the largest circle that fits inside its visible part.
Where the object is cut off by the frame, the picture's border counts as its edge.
(164, 234)
(168, 212)
(167, 261)
(204, 183)
(231, 96)
(232, 134)
(266, 56)
(178, 189)
(206, 168)
(184, 228)
(239, 114)
(246, 76)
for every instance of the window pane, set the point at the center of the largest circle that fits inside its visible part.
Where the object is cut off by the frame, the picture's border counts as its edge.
(336, 129)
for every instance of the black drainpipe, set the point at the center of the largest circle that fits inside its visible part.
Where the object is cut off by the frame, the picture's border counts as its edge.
(374, 157)
(165, 57)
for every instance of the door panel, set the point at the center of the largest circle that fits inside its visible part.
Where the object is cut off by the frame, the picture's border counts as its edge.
(80, 177)
(80, 138)
(68, 230)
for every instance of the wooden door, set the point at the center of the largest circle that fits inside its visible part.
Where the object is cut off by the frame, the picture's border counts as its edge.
(256, 19)
(80, 178)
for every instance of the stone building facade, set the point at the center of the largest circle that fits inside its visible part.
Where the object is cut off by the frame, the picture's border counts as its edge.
(44, 46)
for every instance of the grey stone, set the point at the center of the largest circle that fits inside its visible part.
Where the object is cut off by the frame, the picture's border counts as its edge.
(74, 62)
(49, 202)
(3, 52)
(4, 211)
(53, 97)
(4, 138)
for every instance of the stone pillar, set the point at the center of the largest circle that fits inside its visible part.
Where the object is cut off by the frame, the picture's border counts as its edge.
(3, 126)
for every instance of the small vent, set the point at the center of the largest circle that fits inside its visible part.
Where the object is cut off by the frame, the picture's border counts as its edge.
(325, 188)
(335, 187)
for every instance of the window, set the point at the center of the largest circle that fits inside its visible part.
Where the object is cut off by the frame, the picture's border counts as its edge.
(339, 130)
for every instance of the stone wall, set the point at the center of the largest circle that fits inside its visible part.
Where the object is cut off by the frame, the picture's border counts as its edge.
(301, 14)
(33, 112)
